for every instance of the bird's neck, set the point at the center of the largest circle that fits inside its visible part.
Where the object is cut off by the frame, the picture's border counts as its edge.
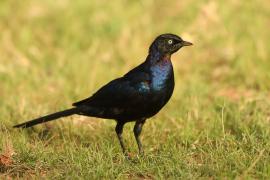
(161, 70)
(157, 57)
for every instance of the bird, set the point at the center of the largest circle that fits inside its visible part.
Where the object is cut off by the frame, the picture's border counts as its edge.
(136, 96)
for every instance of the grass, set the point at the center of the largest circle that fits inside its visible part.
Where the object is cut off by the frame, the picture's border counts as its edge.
(216, 125)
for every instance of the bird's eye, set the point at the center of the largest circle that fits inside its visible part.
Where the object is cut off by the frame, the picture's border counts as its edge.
(170, 41)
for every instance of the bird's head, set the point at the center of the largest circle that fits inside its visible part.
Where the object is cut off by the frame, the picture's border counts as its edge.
(167, 44)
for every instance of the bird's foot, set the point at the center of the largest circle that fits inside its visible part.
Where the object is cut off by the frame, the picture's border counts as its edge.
(128, 155)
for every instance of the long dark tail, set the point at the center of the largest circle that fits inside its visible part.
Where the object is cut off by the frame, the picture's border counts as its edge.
(47, 118)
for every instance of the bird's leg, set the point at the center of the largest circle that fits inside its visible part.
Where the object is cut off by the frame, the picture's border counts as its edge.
(119, 131)
(137, 131)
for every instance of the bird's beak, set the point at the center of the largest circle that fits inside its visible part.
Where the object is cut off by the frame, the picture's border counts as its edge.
(186, 43)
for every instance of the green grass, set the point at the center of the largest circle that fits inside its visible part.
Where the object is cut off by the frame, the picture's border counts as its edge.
(216, 125)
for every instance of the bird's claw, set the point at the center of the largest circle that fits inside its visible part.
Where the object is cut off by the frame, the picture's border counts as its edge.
(128, 156)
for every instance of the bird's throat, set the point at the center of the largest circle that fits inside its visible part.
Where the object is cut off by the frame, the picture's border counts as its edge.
(166, 58)
(159, 58)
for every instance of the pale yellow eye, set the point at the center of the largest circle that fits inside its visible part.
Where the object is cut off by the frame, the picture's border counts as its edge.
(170, 41)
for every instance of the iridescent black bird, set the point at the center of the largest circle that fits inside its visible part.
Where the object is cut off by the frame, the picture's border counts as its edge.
(138, 95)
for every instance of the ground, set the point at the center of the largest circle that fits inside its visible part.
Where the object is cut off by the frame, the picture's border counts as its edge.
(53, 53)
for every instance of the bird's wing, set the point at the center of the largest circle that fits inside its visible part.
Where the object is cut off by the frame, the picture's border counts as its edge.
(129, 90)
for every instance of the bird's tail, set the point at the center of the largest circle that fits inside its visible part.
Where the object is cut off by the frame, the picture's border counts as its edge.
(47, 118)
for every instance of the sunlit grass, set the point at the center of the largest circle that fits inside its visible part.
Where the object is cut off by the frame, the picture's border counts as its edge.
(55, 53)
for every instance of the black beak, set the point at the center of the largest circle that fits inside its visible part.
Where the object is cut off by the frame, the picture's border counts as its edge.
(186, 43)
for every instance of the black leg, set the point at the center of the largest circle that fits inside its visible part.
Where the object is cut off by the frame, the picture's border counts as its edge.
(137, 131)
(119, 131)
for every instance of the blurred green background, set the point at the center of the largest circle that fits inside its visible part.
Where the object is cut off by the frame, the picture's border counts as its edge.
(55, 52)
